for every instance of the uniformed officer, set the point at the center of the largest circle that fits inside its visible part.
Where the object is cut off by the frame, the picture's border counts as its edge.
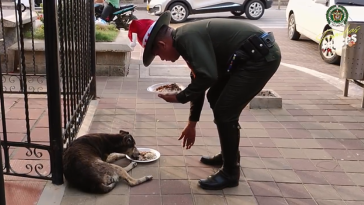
(231, 58)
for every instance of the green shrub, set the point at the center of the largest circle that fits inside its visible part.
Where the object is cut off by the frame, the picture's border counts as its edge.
(104, 33)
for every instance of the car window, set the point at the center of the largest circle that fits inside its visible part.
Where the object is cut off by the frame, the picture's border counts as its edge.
(350, 2)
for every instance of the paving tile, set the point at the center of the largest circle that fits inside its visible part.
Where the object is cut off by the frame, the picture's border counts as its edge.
(243, 189)
(301, 164)
(288, 176)
(149, 188)
(175, 187)
(325, 192)
(271, 200)
(257, 174)
(330, 202)
(297, 191)
(209, 199)
(278, 133)
(262, 142)
(23, 192)
(285, 143)
(342, 154)
(317, 154)
(311, 177)
(249, 125)
(300, 201)
(256, 133)
(78, 200)
(327, 165)
(195, 173)
(337, 178)
(268, 125)
(331, 143)
(194, 161)
(357, 178)
(293, 153)
(170, 150)
(291, 125)
(173, 173)
(354, 202)
(308, 143)
(185, 199)
(312, 125)
(245, 142)
(241, 200)
(299, 133)
(342, 134)
(112, 199)
(172, 161)
(248, 152)
(350, 193)
(196, 151)
(195, 189)
(321, 134)
(276, 163)
(145, 200)
(352, 166)
(268, 152)
(251, 162)
(141, 172)
(265, 189)
(352, 144)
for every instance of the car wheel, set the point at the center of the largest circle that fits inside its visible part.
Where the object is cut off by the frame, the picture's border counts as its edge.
(237, 13)
(179, 12)
(327, 48)
(254, 10)
(293, 34)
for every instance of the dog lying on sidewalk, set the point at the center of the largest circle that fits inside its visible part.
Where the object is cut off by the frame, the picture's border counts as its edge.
(87, 162)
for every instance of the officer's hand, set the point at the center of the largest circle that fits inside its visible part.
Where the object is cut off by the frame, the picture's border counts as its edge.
(188, 135)
(169, 98)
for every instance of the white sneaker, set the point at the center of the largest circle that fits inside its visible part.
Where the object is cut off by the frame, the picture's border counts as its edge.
(100, 21)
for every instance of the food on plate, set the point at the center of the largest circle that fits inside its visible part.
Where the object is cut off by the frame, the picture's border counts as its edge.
(169, 88)
(146, 156)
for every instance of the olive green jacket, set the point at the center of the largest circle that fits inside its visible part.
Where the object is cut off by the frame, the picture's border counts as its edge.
(207, 47)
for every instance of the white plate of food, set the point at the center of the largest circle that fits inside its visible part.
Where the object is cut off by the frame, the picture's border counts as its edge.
(166, 88)
(146, 155)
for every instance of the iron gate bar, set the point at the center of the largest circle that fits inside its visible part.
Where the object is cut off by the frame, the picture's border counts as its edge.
(93, 51)
(54, 96)
(2, 183)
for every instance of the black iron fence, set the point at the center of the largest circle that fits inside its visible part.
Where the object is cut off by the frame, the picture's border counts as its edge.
(59, 70)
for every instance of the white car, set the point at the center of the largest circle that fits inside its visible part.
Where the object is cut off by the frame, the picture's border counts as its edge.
(308, 17)
(181, 9)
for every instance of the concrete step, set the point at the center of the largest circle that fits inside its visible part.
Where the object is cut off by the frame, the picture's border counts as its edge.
(8, 5)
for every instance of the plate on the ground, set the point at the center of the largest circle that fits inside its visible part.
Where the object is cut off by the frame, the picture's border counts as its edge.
(157, 155)
(153, 88)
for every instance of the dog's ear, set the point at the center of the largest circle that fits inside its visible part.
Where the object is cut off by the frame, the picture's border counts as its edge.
(130, 141)
(123, 132)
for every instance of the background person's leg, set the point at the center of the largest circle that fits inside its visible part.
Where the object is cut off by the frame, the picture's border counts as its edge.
(108, 9)
(244, 84)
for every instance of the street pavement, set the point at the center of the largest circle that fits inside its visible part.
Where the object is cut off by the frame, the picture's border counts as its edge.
(272, 18)
(310, 152)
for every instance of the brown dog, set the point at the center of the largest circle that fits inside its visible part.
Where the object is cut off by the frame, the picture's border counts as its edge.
(86, 162)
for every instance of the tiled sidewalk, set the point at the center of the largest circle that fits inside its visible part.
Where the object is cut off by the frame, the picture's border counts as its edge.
(311, 152)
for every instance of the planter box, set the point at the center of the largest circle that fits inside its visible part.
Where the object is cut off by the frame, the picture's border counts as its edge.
(112, 58)
(266, 99)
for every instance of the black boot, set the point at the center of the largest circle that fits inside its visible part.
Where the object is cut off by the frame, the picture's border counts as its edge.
(215, 160)
(229, 174)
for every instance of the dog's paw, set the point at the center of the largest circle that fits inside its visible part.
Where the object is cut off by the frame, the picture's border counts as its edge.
(134, 164)
(149, 178)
